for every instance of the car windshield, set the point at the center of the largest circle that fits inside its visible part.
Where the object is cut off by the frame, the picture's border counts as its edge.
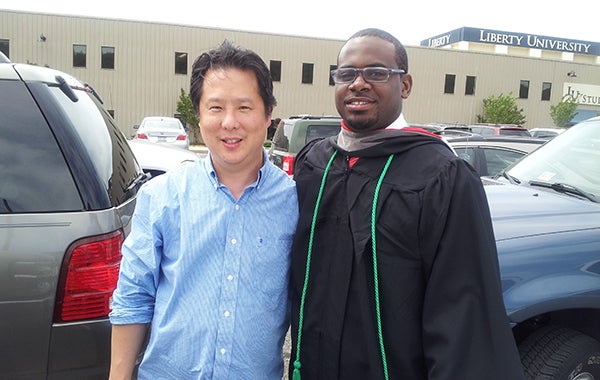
(569, 163)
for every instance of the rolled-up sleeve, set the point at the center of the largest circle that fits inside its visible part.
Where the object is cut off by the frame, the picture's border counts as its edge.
(133, 300)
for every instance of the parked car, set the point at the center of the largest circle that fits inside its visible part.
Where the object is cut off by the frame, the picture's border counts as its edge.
(546, 215)
(490, 155)
(67, 193)
(162, 129)
(487, 155)
(546, 133)
(441, 128)
(290, 137)
(156, 159)
(499, 130)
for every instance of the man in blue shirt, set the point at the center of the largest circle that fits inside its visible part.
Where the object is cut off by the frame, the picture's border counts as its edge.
(207, 259)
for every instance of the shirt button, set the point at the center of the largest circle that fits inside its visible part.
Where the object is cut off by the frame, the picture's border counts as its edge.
(223, 351)
(233, 241)
(226, 314)
(230, 277)
(237, 207)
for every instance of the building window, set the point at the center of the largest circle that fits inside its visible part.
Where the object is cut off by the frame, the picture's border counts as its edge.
(79, 55)
(108, 57)
(524, 89)
(470, 85)
(181, 63)
(307, 73)
(275, 69)
(449, 84)
(331, 67)
(5, 48)
(546, 90)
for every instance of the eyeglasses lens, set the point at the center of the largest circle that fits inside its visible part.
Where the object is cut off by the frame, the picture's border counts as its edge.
(370, 74)
(374, 74)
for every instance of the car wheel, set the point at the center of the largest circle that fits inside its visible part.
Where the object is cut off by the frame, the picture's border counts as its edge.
(554, 353)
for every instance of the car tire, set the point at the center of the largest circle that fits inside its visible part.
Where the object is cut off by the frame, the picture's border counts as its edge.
(554, 353)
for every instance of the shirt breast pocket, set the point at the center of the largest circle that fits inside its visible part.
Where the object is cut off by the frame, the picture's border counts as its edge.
(270, 269)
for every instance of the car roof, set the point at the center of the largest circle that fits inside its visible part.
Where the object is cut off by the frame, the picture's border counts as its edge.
(497, 125)
(160, 118)
(160, 156)
(548, 129)
(524, 144)
(507, 138)
(313, 117)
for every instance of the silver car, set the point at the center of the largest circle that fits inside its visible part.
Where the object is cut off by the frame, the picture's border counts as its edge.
(156, 159)
(67, 193)
(162, 129)
(490, 155)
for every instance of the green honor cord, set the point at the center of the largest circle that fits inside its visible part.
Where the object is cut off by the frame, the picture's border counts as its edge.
(375, 271)
(296, 374)
(297, 365)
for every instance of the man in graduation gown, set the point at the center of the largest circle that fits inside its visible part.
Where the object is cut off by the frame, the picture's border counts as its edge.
(394, 265)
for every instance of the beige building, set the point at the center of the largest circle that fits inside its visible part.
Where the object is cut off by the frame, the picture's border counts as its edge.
(139, 68)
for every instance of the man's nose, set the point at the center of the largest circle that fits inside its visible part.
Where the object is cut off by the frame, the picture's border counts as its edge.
(359, 82)
(229, 120)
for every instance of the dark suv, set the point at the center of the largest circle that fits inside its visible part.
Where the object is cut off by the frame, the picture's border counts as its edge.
(296, 131)
(67, 193)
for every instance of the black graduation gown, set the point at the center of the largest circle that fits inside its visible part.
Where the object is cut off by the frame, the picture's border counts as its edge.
(442, 312)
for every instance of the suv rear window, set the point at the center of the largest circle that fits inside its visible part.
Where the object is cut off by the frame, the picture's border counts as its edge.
(514, 132)
(483, 131)
(488, 130)
(34, 176)
(100, 136)
(283, 135)
(320, 131)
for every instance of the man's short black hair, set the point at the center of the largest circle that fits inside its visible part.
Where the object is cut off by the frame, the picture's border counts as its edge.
(401, 56)
(229, 56)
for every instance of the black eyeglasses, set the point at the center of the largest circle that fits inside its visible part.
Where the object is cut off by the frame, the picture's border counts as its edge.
(369, 74)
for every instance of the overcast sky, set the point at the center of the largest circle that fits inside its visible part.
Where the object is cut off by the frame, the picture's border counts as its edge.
(410, 21)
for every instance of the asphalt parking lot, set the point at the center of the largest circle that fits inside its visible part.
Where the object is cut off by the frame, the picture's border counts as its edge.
(287, 349)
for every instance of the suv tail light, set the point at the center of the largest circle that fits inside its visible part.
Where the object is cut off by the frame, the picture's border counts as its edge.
(181, 137)
(287, 164)
(88, 278)
(142, 136)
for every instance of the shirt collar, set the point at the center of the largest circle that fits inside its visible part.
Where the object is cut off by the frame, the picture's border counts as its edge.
(262, 172)
(399, 123)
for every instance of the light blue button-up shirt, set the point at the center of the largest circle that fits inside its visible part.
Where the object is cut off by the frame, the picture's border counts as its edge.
(210, 273)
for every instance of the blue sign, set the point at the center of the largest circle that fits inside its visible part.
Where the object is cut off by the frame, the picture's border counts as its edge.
(496, 37)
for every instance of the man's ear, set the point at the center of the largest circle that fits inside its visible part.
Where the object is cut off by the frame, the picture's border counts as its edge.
(269, 120)
(406, 85)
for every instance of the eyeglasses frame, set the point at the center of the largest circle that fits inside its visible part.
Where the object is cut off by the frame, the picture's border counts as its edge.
(390, 71)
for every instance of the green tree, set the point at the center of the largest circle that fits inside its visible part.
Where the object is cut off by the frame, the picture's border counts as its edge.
(563, 112)
(188, 115)
(501, 109)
